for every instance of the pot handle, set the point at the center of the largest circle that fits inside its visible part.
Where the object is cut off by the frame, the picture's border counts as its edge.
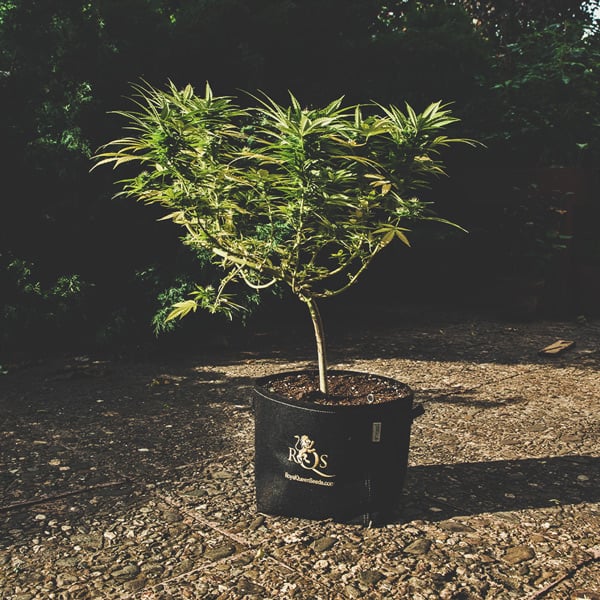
(417, 411)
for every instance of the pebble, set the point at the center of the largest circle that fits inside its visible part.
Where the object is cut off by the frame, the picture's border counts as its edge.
(172, 516)
(321, 565)
(323, 544)
(506, 520)
(137, 584)
(352, 591)
(67, 562)
(518, 554)
(152, 568)
(245, 586)
(256, 523)
(455, 526)
(420, 546)
(92, 541)
(126, 573)
(65, 579)
(370, 577)
(221, 474)
(219, 552)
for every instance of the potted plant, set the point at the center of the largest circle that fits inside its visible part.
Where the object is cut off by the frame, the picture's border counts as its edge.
(304, 197)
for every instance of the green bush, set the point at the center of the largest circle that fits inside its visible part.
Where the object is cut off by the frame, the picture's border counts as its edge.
(38, 312)
(539, 108)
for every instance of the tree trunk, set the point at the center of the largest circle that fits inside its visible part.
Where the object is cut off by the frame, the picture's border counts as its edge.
(315, 315)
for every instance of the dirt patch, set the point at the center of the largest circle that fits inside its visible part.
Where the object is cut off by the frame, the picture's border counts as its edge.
(133, 476)
(345, 389)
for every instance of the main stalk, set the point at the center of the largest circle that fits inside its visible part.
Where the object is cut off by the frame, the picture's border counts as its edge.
(315, 315)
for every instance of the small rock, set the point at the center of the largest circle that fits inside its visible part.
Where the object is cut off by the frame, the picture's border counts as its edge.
(221, 474)
(256, 523)
(219, 552)
(370, 577)
(323, 544)
(92, 541)
(242, 560)
(197, 550)
(176, 529)
(352, 592)
(196, 493)
(544, 577)
(455, 526)
(420, 546)
(321, 565)
(245, 586)
(152, 568)
(65, 579)
(126, 573)
(172, 516)
(536, 427)
(518, 554)
(185, 565)
(135, 585)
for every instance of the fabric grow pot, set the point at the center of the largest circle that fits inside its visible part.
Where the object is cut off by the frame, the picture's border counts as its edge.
(319, 461)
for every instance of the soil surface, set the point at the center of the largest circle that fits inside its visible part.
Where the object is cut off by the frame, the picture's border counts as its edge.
(132, 477)
(345, 389)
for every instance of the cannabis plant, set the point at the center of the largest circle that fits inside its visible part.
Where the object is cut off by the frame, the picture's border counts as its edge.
(281, 194)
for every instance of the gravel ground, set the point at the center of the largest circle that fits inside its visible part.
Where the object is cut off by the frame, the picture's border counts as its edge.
(134, 479)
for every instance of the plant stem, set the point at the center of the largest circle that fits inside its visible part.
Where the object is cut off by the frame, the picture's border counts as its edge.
(315, 315)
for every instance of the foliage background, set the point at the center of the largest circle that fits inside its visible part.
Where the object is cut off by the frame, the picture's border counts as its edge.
(78, 269)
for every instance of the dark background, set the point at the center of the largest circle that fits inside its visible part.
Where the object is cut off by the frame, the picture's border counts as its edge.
(82, 271)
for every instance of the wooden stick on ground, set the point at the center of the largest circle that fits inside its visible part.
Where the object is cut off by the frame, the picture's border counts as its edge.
(45, 499)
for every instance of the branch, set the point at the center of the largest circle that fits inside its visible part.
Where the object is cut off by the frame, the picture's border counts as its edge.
(582, 563)
(45, 499)
(353, 278)
(254, 286)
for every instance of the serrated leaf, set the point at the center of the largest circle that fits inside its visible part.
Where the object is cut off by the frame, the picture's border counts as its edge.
(181, 309)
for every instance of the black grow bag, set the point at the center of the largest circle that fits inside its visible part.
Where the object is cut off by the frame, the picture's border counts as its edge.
(319, 461)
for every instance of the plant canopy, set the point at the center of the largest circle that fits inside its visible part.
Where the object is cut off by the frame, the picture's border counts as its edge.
(281, 194)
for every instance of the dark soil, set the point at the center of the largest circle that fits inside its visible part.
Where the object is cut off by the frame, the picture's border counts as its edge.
(345, 389)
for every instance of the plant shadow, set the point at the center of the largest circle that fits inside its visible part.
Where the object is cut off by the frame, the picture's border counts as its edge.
(468, 399)
(440, 492)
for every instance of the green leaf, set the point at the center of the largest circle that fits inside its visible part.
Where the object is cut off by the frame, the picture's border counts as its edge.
(181, 309)
(279, 193)
(402, 237)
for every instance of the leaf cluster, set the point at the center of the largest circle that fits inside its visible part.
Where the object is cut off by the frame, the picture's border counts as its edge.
(280, 194)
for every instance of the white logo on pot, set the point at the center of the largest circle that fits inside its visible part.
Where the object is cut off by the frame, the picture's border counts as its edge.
(304, 454)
